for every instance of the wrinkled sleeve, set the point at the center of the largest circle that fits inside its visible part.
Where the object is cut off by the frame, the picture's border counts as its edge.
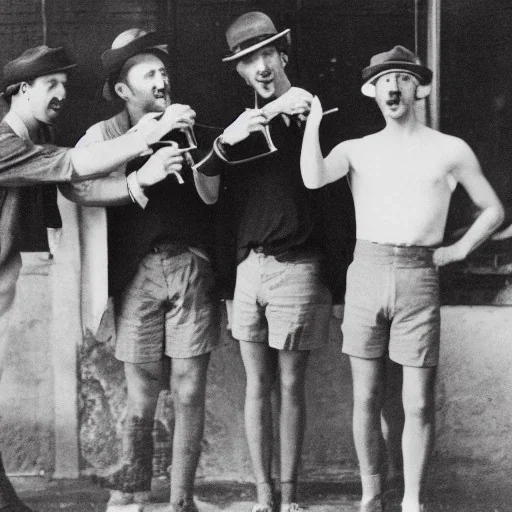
(23, 163)
(110, 190)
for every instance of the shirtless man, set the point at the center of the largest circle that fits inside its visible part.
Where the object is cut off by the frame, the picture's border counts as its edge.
(402, 179)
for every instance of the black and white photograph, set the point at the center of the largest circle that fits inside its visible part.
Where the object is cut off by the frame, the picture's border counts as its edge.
(255, 256)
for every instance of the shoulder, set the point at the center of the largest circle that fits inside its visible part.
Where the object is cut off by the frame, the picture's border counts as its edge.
(449, 143)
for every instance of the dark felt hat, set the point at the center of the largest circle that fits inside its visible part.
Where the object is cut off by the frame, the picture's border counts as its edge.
(250, 32)
(126, 45)
(398, 58)
(36, 62)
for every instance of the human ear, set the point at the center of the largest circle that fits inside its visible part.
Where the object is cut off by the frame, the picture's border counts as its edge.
(121, 90)
(284, 58)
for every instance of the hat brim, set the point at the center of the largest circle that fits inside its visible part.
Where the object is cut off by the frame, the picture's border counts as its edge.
(8, 87)
(424, 79)
(254, 47)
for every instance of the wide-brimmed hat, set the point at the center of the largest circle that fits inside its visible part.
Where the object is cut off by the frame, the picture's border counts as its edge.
(250, 32)
(126, 45)
(396, 59)
(33, 63)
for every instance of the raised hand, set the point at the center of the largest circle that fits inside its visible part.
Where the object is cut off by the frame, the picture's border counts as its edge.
(251, 120)
(164, 162)
(315, 113)
(180, 116)
(175, 116)
(294, 102)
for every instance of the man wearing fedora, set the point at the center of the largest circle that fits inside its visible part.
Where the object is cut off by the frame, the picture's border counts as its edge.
(159, 275)
(35, 89)
(281, 306)
(402, 179)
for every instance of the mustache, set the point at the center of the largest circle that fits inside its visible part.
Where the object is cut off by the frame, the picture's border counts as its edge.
(55, 102)
(394, 98)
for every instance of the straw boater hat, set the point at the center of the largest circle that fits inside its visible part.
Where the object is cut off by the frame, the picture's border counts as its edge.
(397, 59)
(33, 63)
(127, 44)
(250, 32)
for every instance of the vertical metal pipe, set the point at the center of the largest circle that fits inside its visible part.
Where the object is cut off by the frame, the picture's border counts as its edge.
(434, 60)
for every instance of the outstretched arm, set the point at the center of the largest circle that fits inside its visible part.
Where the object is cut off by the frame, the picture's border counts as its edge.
(23, 163)
(469, 174)
(317, 171)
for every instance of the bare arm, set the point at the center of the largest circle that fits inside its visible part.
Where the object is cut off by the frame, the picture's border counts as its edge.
(317, 171)
(469, 174)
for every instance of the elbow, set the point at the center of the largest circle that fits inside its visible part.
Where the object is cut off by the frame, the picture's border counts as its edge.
(209, 199)
(311, 182)
(499, 215)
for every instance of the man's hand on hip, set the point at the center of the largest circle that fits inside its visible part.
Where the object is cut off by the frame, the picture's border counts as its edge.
(449, 254)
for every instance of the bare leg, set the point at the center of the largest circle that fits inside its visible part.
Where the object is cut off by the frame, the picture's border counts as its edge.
(132, 480)
(260, 368)
(368, 382)
(418, 437)
(392, 422)
(292, 366)
(188, 384)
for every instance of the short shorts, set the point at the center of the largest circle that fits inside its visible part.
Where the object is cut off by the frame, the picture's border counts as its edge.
(284, 303)
(169, 308)
(392, 304)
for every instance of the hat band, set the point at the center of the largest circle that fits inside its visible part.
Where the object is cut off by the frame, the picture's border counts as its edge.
(250, 42)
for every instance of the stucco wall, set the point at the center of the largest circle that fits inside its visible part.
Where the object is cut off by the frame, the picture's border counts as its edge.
(473, 410)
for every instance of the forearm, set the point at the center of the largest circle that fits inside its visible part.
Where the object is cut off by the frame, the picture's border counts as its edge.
(109, 191)
(103, 157)
(486, 223)
(312, 165)
(207, 187)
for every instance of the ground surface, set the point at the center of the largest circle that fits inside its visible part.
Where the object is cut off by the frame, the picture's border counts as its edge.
(82, 495)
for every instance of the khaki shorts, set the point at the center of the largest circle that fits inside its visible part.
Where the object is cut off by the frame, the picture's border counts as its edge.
(282, 303)
(392, 304)
(169, 308)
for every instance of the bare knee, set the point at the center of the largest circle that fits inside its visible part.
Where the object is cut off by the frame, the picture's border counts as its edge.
(259, 385)
(188, 390)
(292, 385)
(418, 406)
(143, 389)
(367, 397)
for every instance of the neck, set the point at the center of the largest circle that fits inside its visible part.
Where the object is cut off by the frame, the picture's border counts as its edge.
(408, 124)
(135, 114)
(26, 116)
(284, 87)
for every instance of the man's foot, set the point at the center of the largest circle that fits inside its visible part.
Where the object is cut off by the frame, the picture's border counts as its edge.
(375, 505)
(183, 506)
(132, 507)
(118, 498)
(292, 507)
(260, 507)
(413, 508)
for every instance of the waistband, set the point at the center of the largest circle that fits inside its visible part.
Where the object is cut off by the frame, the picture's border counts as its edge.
(173, 249)
(404, 255)
(292, 254)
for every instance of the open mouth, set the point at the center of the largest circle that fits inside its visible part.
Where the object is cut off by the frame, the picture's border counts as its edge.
(56, 106)
(393, 101)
